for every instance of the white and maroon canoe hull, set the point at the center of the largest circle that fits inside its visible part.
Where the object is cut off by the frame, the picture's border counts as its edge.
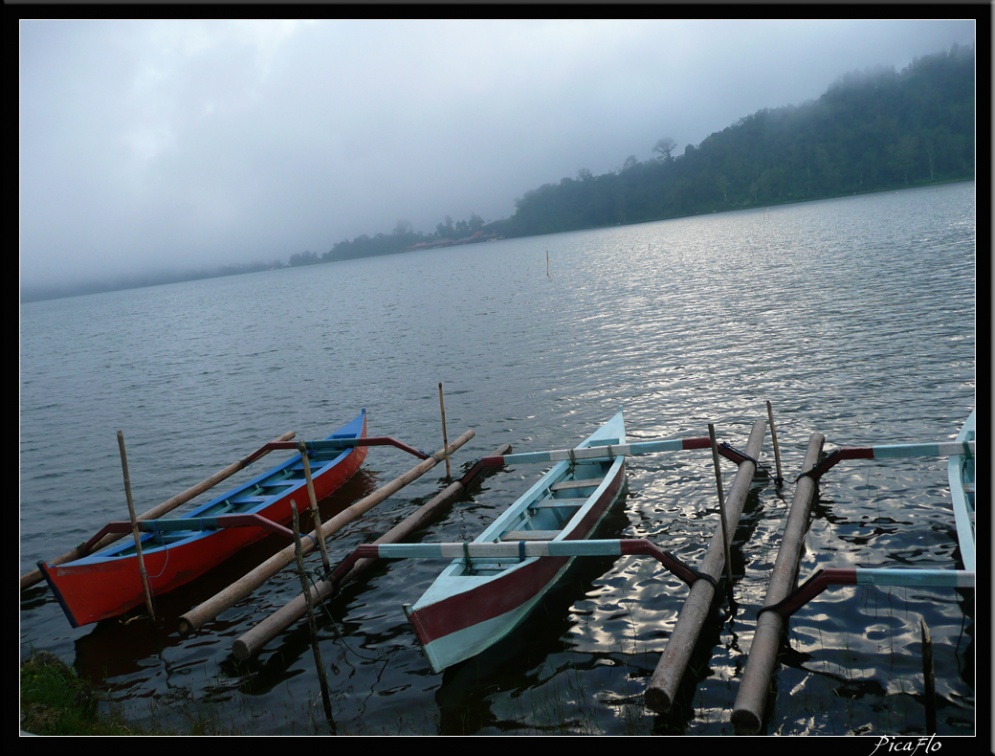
(465, 611)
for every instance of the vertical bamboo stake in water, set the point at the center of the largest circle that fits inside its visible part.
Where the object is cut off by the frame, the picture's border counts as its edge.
(315, 514)
(134, 527)
(547, 263)
(445, 436)
(929, 681)
(306, 589)
(773, 439)
(722, 505)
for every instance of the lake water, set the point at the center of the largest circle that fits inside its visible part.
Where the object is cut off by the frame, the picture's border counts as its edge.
(854, 317)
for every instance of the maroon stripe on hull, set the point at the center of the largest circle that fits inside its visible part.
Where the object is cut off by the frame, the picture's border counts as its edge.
(91, 592)
(497, 597)
(505, 593)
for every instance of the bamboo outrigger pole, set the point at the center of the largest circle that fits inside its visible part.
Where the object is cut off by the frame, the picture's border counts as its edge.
(134, 528)
(252, 642)
(672, 665)
(209, 609)
(33, 577)
(748, 712)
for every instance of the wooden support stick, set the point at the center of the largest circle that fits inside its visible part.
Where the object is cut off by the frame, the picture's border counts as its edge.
(929, 681)
(312, 626)
(253, 641)
(315, 514)
(209, 609)
(748, 712)
(134, 528)
(33, 577)
(445, 437)
(726, 536)
(773, 440)
(672, 665)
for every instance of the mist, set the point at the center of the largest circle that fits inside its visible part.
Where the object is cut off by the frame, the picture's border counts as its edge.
(157, 146)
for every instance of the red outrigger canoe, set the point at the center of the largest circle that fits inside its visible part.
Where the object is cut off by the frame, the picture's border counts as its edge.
(175, 551)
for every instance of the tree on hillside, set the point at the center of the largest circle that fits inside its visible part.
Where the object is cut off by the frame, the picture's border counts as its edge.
(664, 147)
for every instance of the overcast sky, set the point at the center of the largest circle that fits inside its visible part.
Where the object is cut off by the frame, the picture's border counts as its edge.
(155, 145)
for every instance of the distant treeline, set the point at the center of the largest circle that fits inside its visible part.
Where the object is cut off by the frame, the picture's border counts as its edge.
(871, 131)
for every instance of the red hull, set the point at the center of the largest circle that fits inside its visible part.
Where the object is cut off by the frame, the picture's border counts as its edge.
(93, 588)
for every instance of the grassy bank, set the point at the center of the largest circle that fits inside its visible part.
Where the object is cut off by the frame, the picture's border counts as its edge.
(54, 701)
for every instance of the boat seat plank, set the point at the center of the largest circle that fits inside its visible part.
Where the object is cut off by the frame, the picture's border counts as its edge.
(568, 484)
(555, 503)
(530, 535)
(243, 500)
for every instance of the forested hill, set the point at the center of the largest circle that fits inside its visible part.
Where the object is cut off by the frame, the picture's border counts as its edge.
(870, 131)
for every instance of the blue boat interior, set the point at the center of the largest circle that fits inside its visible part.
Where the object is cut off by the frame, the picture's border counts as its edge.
(548, 513)
(251, 497)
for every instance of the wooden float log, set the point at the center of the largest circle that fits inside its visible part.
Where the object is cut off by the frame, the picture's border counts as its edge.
(30, 578)
(672, 665)
(253, 641)
(748, 711)
(209, 609)
(423, 516)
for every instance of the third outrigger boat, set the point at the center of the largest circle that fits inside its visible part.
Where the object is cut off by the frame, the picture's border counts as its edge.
(783, 601)
(961, 475)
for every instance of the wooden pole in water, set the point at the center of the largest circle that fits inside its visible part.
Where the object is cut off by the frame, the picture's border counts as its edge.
(672, 665)
(722, 506)
(773, 440)
(547, 263)
(315, 514)
(253, 641)
(312, 626)
(445, 436)
(30, 578)
(748, 712)
(211, 608)
(134, 528)
(929, 681)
